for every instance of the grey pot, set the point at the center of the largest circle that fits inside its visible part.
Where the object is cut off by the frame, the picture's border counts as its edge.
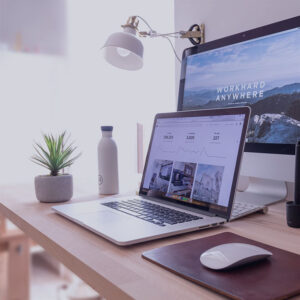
(54, 188)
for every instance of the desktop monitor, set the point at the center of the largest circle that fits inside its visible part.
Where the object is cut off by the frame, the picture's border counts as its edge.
(259, 68)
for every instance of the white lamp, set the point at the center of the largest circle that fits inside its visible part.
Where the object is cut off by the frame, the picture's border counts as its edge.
(124, 50)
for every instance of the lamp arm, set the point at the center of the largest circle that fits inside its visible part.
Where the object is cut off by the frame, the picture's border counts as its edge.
(154, 33)
(195, 33)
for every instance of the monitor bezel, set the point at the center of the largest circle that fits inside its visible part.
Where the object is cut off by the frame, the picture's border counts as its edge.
(288, 149)
(209, 207)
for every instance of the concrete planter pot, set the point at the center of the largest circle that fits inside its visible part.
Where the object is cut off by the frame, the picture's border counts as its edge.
(54, 188)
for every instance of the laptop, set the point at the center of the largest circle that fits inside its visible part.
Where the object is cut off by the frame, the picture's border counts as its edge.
(188, 182)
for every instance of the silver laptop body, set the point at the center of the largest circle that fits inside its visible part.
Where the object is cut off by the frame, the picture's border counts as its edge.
(188, 182)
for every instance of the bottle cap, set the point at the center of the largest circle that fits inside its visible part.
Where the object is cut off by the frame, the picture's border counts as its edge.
(107, 128)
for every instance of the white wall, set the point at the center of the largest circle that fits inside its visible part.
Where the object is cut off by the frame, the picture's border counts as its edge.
(80, 91)
(33, 26)
(227, 17)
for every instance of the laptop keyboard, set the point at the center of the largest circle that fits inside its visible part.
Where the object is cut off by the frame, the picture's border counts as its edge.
(240, 208)
(150, 212)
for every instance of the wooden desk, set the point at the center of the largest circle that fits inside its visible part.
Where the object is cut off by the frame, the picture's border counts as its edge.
(120, 272)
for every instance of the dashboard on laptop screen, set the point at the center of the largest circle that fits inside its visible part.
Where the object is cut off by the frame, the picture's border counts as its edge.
(193, 159)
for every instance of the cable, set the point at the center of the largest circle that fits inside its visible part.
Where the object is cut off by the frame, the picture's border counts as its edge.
(153, 33)
(145, 22)
(172, 48)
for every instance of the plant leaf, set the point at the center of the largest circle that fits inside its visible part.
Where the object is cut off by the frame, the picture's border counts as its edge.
(57, 153)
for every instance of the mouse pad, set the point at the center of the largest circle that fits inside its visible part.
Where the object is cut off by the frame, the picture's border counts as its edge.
(277, 277)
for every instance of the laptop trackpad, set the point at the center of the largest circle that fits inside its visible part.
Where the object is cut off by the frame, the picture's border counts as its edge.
(119, 227)
(99, 217)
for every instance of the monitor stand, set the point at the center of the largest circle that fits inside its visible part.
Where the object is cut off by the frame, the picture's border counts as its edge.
(261, 191)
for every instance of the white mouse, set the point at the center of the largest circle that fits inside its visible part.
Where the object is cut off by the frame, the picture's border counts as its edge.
(231, 255)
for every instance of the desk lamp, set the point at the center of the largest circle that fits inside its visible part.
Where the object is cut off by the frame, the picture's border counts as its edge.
(124, 50)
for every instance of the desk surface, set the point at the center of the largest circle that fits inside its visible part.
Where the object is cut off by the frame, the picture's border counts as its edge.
(120, 272)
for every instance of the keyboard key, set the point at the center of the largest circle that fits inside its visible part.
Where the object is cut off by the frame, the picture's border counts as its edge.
(128, 212)
(242, 208)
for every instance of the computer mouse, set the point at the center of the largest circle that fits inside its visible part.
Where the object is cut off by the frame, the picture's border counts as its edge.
(227, 256)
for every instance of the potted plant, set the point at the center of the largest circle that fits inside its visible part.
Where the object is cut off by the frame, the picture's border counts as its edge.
(55, 156)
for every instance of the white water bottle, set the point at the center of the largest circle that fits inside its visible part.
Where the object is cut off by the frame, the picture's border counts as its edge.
(108, 178)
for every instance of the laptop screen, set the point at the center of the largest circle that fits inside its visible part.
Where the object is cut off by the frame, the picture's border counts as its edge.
(193, 159)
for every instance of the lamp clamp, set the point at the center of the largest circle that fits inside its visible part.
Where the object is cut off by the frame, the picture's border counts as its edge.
(132, 22)
(195, 34)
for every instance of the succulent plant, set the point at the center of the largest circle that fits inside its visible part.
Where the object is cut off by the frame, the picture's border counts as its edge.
(56, 154)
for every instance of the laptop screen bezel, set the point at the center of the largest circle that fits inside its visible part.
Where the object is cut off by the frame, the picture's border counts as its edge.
(209, 207)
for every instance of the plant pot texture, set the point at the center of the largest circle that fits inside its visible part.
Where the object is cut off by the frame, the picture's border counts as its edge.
(54, 188)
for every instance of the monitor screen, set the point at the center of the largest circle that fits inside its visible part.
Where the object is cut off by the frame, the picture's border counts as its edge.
(260, 69)
(193, 159)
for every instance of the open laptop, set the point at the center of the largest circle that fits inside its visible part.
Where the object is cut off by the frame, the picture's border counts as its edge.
(188, 182)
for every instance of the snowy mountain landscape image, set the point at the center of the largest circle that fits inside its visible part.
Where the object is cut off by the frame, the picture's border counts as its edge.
(262, 73)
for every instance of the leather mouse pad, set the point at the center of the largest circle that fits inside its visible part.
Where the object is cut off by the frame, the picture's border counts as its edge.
(277, 277)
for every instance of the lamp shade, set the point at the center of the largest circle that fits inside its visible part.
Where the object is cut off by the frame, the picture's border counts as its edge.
(124, 50)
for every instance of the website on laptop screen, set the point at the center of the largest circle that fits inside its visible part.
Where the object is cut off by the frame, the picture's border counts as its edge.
(193, 159)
